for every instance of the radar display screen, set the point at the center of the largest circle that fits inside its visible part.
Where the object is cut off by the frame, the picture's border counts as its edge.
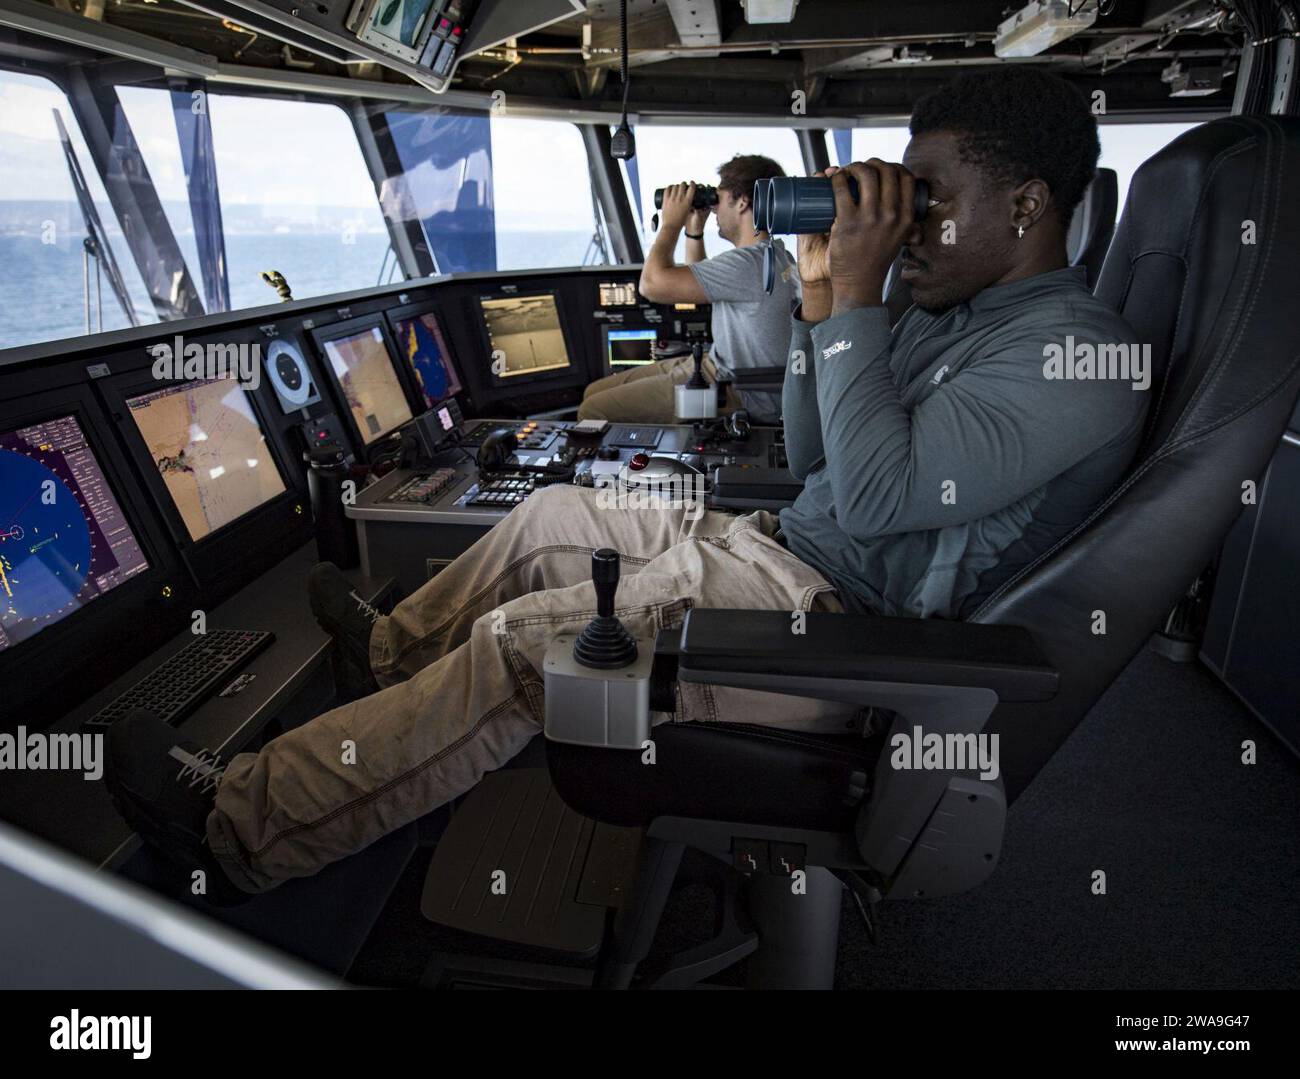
(524, 334)
(420, 340)
(364, 372)
(210, 450)
(63, 537)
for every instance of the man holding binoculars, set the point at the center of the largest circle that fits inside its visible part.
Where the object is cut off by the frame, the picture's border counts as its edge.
(751, 327)
(939, 457)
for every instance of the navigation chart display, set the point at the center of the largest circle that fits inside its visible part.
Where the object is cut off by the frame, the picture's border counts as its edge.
(364, 371)
(64, 540)
(421, 342)
(210, 450)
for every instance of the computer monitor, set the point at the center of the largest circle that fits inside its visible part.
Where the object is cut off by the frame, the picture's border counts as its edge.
(361, 361)
(89, 583)
(216, 469)
(627, 347)
(64, 540)
(420, 342)
(525, 337)
(210, 450)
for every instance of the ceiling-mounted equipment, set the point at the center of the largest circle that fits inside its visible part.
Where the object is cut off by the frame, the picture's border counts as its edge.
(422, 39)
(1041, 24)
(769, 11)
(1196, 81)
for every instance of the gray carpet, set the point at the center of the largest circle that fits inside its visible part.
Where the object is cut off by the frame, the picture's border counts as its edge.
(1201, 855)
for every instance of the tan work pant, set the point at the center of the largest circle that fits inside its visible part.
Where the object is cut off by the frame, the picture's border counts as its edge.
(646, 394)
(461, 663)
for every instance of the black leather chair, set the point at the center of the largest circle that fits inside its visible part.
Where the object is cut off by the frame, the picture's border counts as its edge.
(1086, 242)
(1027, 664)
(1093, 224)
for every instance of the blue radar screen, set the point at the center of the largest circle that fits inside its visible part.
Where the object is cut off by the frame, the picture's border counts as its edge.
(63, 538)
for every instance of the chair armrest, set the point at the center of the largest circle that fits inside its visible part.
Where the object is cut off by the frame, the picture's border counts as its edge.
(802, 653)
(752, 378)
(744, 485)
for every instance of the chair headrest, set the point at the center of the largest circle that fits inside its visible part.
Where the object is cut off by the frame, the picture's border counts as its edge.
(1093, 224)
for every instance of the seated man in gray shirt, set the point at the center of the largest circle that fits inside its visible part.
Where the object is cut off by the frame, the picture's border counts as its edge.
(938, 459)
(941, 457)
(750, 328)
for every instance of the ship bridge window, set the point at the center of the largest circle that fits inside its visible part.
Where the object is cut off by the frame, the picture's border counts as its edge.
(295, 197)
(669, 154)
(43, 225)
(545, 215)
(494, 192)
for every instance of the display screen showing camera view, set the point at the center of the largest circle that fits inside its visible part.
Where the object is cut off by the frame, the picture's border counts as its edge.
(210, 449)
(401, 20)
(364, 371)
(63, 538)
(524, 335)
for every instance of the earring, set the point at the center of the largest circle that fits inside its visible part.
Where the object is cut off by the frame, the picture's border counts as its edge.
(1020, 233)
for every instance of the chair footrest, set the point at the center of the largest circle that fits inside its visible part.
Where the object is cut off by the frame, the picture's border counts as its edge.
(517, 864)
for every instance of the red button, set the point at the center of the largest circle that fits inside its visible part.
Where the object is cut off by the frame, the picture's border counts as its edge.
(638, 462)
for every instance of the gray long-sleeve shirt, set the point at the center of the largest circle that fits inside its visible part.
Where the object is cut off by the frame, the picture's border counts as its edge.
(940, 458)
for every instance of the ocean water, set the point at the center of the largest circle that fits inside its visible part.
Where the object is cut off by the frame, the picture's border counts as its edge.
(42, 293)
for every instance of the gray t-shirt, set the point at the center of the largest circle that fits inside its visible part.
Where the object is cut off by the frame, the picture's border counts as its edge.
(750, 328)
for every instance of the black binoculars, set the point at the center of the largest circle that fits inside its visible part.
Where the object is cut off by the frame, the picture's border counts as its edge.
(705, 197)
(801, 204)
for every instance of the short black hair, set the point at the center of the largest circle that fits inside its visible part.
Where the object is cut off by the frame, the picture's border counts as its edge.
(1018, 124)
(740, 174)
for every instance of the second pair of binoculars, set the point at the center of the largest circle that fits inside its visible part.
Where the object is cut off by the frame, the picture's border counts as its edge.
(705, 197)
(802, 204)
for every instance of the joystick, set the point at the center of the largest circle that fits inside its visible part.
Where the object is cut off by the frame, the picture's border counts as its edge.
(696, 399)
(597, 682)
(605, 642)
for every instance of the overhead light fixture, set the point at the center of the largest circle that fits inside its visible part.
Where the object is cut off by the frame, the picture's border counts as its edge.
(766, 11)
(1041, 24)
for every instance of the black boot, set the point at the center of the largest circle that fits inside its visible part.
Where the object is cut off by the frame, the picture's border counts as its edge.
(164, 787)
(349, 619)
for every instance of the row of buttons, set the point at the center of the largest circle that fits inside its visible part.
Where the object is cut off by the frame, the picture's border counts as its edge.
(424, 487)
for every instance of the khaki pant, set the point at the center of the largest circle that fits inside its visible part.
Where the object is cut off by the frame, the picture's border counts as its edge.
(461, 663)
(646, 394)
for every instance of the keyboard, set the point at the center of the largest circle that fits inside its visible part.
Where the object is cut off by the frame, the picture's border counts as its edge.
(178, 685)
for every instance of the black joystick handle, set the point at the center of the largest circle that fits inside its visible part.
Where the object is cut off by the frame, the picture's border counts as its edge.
(697, 379)
(605, 642)
(605, 565)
